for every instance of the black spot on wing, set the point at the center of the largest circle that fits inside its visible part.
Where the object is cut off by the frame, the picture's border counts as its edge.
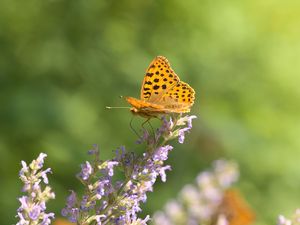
(155, 87)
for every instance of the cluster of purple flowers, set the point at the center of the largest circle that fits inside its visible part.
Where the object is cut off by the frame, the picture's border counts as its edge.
(107, 200)
(33, 205)
(294, 221)
(198, 204)
(110, 201)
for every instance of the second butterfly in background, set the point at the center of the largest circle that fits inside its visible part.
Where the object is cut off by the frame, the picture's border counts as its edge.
(235, 209)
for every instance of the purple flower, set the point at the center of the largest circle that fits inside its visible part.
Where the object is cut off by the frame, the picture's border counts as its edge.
(71, 211)
(33, 205)
(34, 212)
(120, 154)
(94, 150)
(113, 201)
(144, 137)
(183, 121)
(226, 173)
(71, 200)
(181, 134)
(162, 172)
(165, 129)
(38, 164)
(161, 154)
(46, 219)
(283, 221)
(23, 201)
(294, 221)
(101, 187)
(110, 167)
(44, 175)
(86, 171)
(98, 219)
(24, 169)
(200, 202)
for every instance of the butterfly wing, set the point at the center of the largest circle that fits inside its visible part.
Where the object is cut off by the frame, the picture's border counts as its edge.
(159, 79)
(178, 99)
(236, 209)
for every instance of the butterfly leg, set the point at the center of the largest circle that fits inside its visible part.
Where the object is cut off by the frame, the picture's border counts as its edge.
(146, 121)
(150, 125)
(132, 128)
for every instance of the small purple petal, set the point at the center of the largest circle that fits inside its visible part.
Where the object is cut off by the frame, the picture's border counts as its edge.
(181, 134)
(98, 219)
(46, 219)
(24, 204)
(86, 170)
(34, 212)
(162, 172)
(40, 160)
(161, 154)
(94, 151)
(110, 166)
(190, 118)
(24, 169)
(71, 200)
(44, 175)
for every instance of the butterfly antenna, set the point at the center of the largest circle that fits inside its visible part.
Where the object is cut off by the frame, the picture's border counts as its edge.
(117, 107)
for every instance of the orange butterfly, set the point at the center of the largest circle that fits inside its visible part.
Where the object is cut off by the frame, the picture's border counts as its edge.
(235, 209)
(60, 221)
(162, 92)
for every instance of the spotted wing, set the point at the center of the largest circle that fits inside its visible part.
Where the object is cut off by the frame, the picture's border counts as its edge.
(178, 99)
(159, 79)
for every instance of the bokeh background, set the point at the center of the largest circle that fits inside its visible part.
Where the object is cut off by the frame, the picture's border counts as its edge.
(63, 61)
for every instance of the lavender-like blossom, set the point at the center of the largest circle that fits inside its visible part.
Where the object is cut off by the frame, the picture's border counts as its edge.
(198, 204)
(33, 205)
(110, 201)
(187, 120)
(86, 171)
(295, 220)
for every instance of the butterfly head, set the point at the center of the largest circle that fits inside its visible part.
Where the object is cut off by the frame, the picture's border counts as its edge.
(134, 110)
(142, 113)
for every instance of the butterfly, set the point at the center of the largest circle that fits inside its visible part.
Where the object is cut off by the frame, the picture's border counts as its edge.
(235, 209)
(162, 92)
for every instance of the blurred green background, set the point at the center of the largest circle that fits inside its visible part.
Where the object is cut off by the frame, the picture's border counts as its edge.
(63, 61)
